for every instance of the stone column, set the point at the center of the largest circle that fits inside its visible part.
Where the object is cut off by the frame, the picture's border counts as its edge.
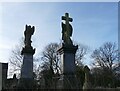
(68, 79)
(26, 78)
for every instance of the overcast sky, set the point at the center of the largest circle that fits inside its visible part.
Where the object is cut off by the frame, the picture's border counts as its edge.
(93, 24)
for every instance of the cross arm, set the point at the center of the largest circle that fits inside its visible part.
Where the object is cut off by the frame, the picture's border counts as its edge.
(64, 18)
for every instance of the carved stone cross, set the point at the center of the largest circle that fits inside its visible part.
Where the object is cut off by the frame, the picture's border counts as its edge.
(67, 19)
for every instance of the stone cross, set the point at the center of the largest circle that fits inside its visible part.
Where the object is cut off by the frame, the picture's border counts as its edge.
(67, 19)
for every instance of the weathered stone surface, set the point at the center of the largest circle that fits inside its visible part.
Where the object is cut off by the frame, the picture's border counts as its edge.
(67, 30)
(68, 59)
(29, 31)
(87, 84)
(27, 67)
(67, 79)
(27, 50)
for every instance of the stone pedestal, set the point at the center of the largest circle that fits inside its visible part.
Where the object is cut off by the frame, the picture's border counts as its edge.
(68, 79)
(26, 78)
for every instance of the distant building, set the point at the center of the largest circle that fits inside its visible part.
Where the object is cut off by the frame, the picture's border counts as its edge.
(4, 82)
(3, 75)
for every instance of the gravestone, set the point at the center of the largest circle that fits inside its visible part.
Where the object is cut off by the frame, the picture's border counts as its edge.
(26, 78)
(87, 82)
(67, 52)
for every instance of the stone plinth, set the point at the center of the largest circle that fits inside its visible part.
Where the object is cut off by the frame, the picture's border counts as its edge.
(26, 78)
(68, 79)
(27, 67)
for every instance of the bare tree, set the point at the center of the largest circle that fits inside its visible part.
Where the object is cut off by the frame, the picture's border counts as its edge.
(106, 56)
(16, 59)
(50, 64)
(50, 57)
(80, 54)
(106, 61)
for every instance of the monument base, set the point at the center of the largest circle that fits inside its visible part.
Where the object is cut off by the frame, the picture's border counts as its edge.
(26, 78)
(25, 83)
(68, 79)
(67, 54)
(67, 82)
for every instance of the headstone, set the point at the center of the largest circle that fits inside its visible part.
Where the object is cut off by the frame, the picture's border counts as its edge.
(67, 52)
(26, 78)
(87, 83)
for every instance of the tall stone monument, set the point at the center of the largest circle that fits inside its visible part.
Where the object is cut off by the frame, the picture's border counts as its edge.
(26, 78)
(67, 52)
